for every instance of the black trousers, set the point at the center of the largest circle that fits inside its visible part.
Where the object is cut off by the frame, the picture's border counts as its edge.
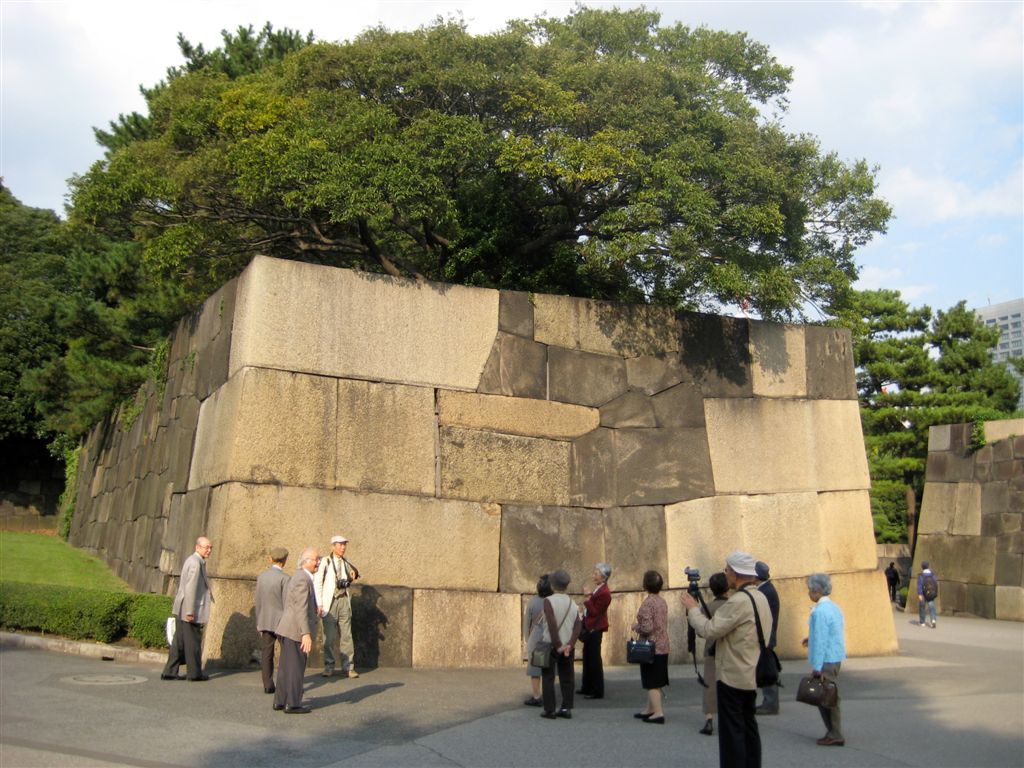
(268, 641)
(187, 649)
(739, 741)
(566, 681)
(593, 667)
(290, 674)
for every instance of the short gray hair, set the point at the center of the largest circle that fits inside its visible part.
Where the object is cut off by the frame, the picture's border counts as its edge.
(604, 569)
(820, 583)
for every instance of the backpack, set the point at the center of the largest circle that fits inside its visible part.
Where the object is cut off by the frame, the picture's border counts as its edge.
(929, 588)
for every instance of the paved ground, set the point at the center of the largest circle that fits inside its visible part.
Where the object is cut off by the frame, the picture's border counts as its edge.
(954, 696)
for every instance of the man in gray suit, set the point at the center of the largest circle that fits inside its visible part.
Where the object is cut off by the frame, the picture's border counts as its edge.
(191, 612)
(296, 631)
(271, 587)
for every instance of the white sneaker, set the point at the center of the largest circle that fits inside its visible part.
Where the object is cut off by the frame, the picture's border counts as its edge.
(922, 623)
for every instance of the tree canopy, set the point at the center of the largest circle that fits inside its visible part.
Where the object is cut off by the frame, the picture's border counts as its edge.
(917, 369)
(598, 155)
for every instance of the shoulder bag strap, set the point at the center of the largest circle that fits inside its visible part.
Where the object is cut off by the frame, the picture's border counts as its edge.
(757, 619)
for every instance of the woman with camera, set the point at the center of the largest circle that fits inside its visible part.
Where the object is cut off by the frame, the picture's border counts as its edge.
(595, 624)
(652, 624)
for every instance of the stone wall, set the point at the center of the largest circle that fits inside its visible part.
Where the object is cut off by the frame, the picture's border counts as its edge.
(970, 524)
(467, 440)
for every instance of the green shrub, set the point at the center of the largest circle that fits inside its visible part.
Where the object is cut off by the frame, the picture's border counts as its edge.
(79, 614)
(147, 617)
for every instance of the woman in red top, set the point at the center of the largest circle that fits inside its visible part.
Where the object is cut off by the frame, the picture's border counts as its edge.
(595, 624)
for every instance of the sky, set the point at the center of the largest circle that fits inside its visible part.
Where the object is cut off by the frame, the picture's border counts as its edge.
(932, 93)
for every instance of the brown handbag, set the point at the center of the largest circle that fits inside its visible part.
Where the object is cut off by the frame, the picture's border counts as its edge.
(817, 691)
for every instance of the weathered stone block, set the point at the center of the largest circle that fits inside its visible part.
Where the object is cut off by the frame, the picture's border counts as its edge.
(938, 438)
(624, 330)
(716, 352)
(385, 437)
(1002, 470)
(303, 317)
(778, 361)
(584, 378)
(1018, 447)
(517, 367)
(967, 517)
(622, 616)
(485, 633)
(515, 313)
(829, 354)
(634, 542)
(188, 521)
(592, 470)
(537, 540)
(969, 559)
(659, 466)
(489, 466)
(995, 498)
(245, 434)
(981, 600)
(1004, 430)
(382, 626)
(393, 539)
(847, 531)
(938, 507)
(679, 406)
(632, 409)
(651, 374)
(1010, 603)
(1009, 569)
(864, 600)
(515, 415)
(230, 637)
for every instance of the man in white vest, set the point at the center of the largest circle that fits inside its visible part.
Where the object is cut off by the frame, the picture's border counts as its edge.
(334, 602)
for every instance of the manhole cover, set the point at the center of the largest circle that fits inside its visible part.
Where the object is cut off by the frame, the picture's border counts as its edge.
(104, 679)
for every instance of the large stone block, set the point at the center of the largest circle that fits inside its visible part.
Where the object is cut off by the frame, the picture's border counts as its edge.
(592, 469)
(829, 354)
(938, 507)
(847, 531)
(651, 374)
(337, 322)
(622, 615)
(702, 532)
(938, 438)
(515, 415)
(778, 362)
(465, 629)
(967, 518)
(1003, 430)
(268, 426)
(382, 626)
(187, 521)
(634, 542)
(679, 406)
(765, 446)
(385, 437)
(632, 409)
(517, 367)
(625, 330)
(489, 466)
(1009, 569)
(515, 313)
(995, 498)
(394, 539)
(659, 466)
(968, 559)
(1010, 603)
(230, 637)
(981, 600)
(584, 378)
(537, 539)
(716, 352)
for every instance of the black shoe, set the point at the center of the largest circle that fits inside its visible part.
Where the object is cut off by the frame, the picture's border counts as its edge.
(548, 715)
(297, 710)
(581, 692)
(708, 729)
(642, 715)
(278, 707)
(659, 720)
(766, 711)
(592, 696)
(271, 689)
(171, 677)
(533, 701)
(200, 679)
(564, 713)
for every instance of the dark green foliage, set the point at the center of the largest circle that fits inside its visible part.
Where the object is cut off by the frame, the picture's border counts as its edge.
(84, 614)
(147, 617)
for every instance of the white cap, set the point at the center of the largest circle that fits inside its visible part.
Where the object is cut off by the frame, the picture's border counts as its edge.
(339, 539)
(742, 563)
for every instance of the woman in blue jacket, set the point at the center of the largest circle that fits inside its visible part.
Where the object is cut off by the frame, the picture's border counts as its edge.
(826, 649)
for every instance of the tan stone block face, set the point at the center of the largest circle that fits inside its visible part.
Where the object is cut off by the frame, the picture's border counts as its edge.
(651, 374)
(604, 327)
(841, 462)
(536, 540)
(700, 534)
(394, 540)
(382, 626)
(784, 530)
(1010, 603)
(489, 466)
(938, 507)
(634, 542)
(967, 559)
(517, 367)
(967, 516)
(778, 361)
(1001, 430)
(303, 317)
(516, 415)
(231, 635)
(385, 437)
(847, 531)
(267, 426)
(465, 629)
(939, 438)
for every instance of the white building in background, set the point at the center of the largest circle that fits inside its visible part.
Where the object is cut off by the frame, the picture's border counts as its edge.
(1008, 317)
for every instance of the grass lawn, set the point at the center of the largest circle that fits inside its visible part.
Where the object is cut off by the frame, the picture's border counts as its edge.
(35, 558)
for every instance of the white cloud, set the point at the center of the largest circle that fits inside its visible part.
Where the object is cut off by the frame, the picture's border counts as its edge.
(874, 278)
(994, 240)
(935, 196)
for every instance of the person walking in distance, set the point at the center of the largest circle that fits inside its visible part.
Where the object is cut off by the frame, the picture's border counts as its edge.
(271, 588)
(927, 593)
(191, 610)
(333, 598)
(892, 578)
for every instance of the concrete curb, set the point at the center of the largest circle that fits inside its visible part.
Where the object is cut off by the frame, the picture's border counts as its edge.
(80, 648)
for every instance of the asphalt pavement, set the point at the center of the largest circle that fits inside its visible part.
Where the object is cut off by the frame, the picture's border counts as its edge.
(953, 696)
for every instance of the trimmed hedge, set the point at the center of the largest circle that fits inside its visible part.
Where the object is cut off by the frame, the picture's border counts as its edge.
(84, 614)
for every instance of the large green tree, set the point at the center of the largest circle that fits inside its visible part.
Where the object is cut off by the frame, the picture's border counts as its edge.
(599, 155)
(917, 369)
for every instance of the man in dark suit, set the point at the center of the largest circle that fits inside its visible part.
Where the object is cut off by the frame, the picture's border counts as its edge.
(271, 587)
(769, 694)
(191, 611)
(296, 630)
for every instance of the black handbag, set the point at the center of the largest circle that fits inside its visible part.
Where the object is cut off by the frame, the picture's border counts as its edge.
(768, 665)
(639, 651)
(818, 692)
